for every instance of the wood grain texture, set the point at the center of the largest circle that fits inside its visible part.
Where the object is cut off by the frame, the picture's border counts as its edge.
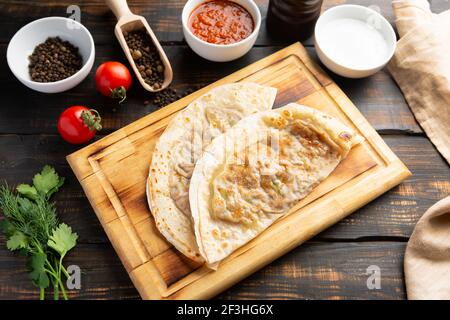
(163, 16)
(315, 270)
(117, 194)
(390, 217)
(378, 97)
(103, 276)
(28, 140)
(338, 261)
(394, 214)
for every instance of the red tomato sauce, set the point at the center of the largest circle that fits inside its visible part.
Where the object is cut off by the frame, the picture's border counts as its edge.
(221, 22)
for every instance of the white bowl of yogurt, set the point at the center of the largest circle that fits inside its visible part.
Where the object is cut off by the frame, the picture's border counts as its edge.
(354, 41)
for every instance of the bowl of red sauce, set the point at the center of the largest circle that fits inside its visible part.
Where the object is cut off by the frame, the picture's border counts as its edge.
(221, 30)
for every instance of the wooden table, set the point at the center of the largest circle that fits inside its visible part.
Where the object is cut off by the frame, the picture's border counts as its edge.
(330, 266)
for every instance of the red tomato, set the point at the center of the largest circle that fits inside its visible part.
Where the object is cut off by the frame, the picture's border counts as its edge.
(78, 124)
(113, 80)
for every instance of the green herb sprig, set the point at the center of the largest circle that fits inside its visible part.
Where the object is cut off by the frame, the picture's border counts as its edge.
(32, 228)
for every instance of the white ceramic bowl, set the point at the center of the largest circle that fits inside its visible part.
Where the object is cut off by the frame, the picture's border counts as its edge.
(361, 13)
(28, 37)
(216, 52)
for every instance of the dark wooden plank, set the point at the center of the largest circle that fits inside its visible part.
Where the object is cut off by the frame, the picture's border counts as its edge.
(394, 214)
(327, 271)
(379, 99)
(27, 111)
(103, 276)
(322, 268)
(315, 270)
(23, 156)
(164, 16)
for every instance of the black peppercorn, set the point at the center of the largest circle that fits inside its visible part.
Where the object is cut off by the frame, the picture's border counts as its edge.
(146, 57)
(167, 96)
(54, 60)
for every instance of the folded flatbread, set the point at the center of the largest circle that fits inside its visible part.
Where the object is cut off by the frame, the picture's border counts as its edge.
(182, 143)
(255, 172)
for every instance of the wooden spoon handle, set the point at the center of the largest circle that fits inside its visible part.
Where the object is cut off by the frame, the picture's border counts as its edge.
(119, 8)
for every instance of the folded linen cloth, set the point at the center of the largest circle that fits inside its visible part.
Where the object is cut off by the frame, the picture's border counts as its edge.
(421, 67)
(427, 257)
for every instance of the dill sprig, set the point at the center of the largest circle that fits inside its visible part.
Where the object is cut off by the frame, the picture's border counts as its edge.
(32, 227)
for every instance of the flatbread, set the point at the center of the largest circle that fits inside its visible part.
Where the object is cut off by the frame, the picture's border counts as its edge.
(255, 172)
(182, 143)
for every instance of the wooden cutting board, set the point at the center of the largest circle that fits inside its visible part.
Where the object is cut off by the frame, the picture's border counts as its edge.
(113, 173)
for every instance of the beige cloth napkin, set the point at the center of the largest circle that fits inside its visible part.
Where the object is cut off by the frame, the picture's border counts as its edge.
(421, 67)
(427, 257)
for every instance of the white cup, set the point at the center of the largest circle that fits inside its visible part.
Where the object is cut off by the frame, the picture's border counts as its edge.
(220, 52)
(28, 37)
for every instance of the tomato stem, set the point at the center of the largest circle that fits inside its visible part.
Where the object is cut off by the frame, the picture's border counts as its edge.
(119, 93)
(92, 119)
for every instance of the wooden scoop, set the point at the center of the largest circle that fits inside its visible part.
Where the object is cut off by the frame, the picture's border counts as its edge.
(127, 21)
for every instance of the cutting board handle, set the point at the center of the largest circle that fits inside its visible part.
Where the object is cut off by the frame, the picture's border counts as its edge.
(119, 8)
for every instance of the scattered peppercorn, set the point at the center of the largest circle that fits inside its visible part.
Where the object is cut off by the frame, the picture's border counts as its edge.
(54, 60)
(146, 57)
(167, 96)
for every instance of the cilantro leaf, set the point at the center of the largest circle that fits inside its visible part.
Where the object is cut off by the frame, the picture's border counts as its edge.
(27, 191)
(36, 266)
(48, 181)
(32, 228)
(62, 239)
(17, 241)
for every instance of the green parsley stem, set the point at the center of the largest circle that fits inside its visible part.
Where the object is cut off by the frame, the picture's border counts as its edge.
(33, 227)
(55, 291)
(64, 270)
